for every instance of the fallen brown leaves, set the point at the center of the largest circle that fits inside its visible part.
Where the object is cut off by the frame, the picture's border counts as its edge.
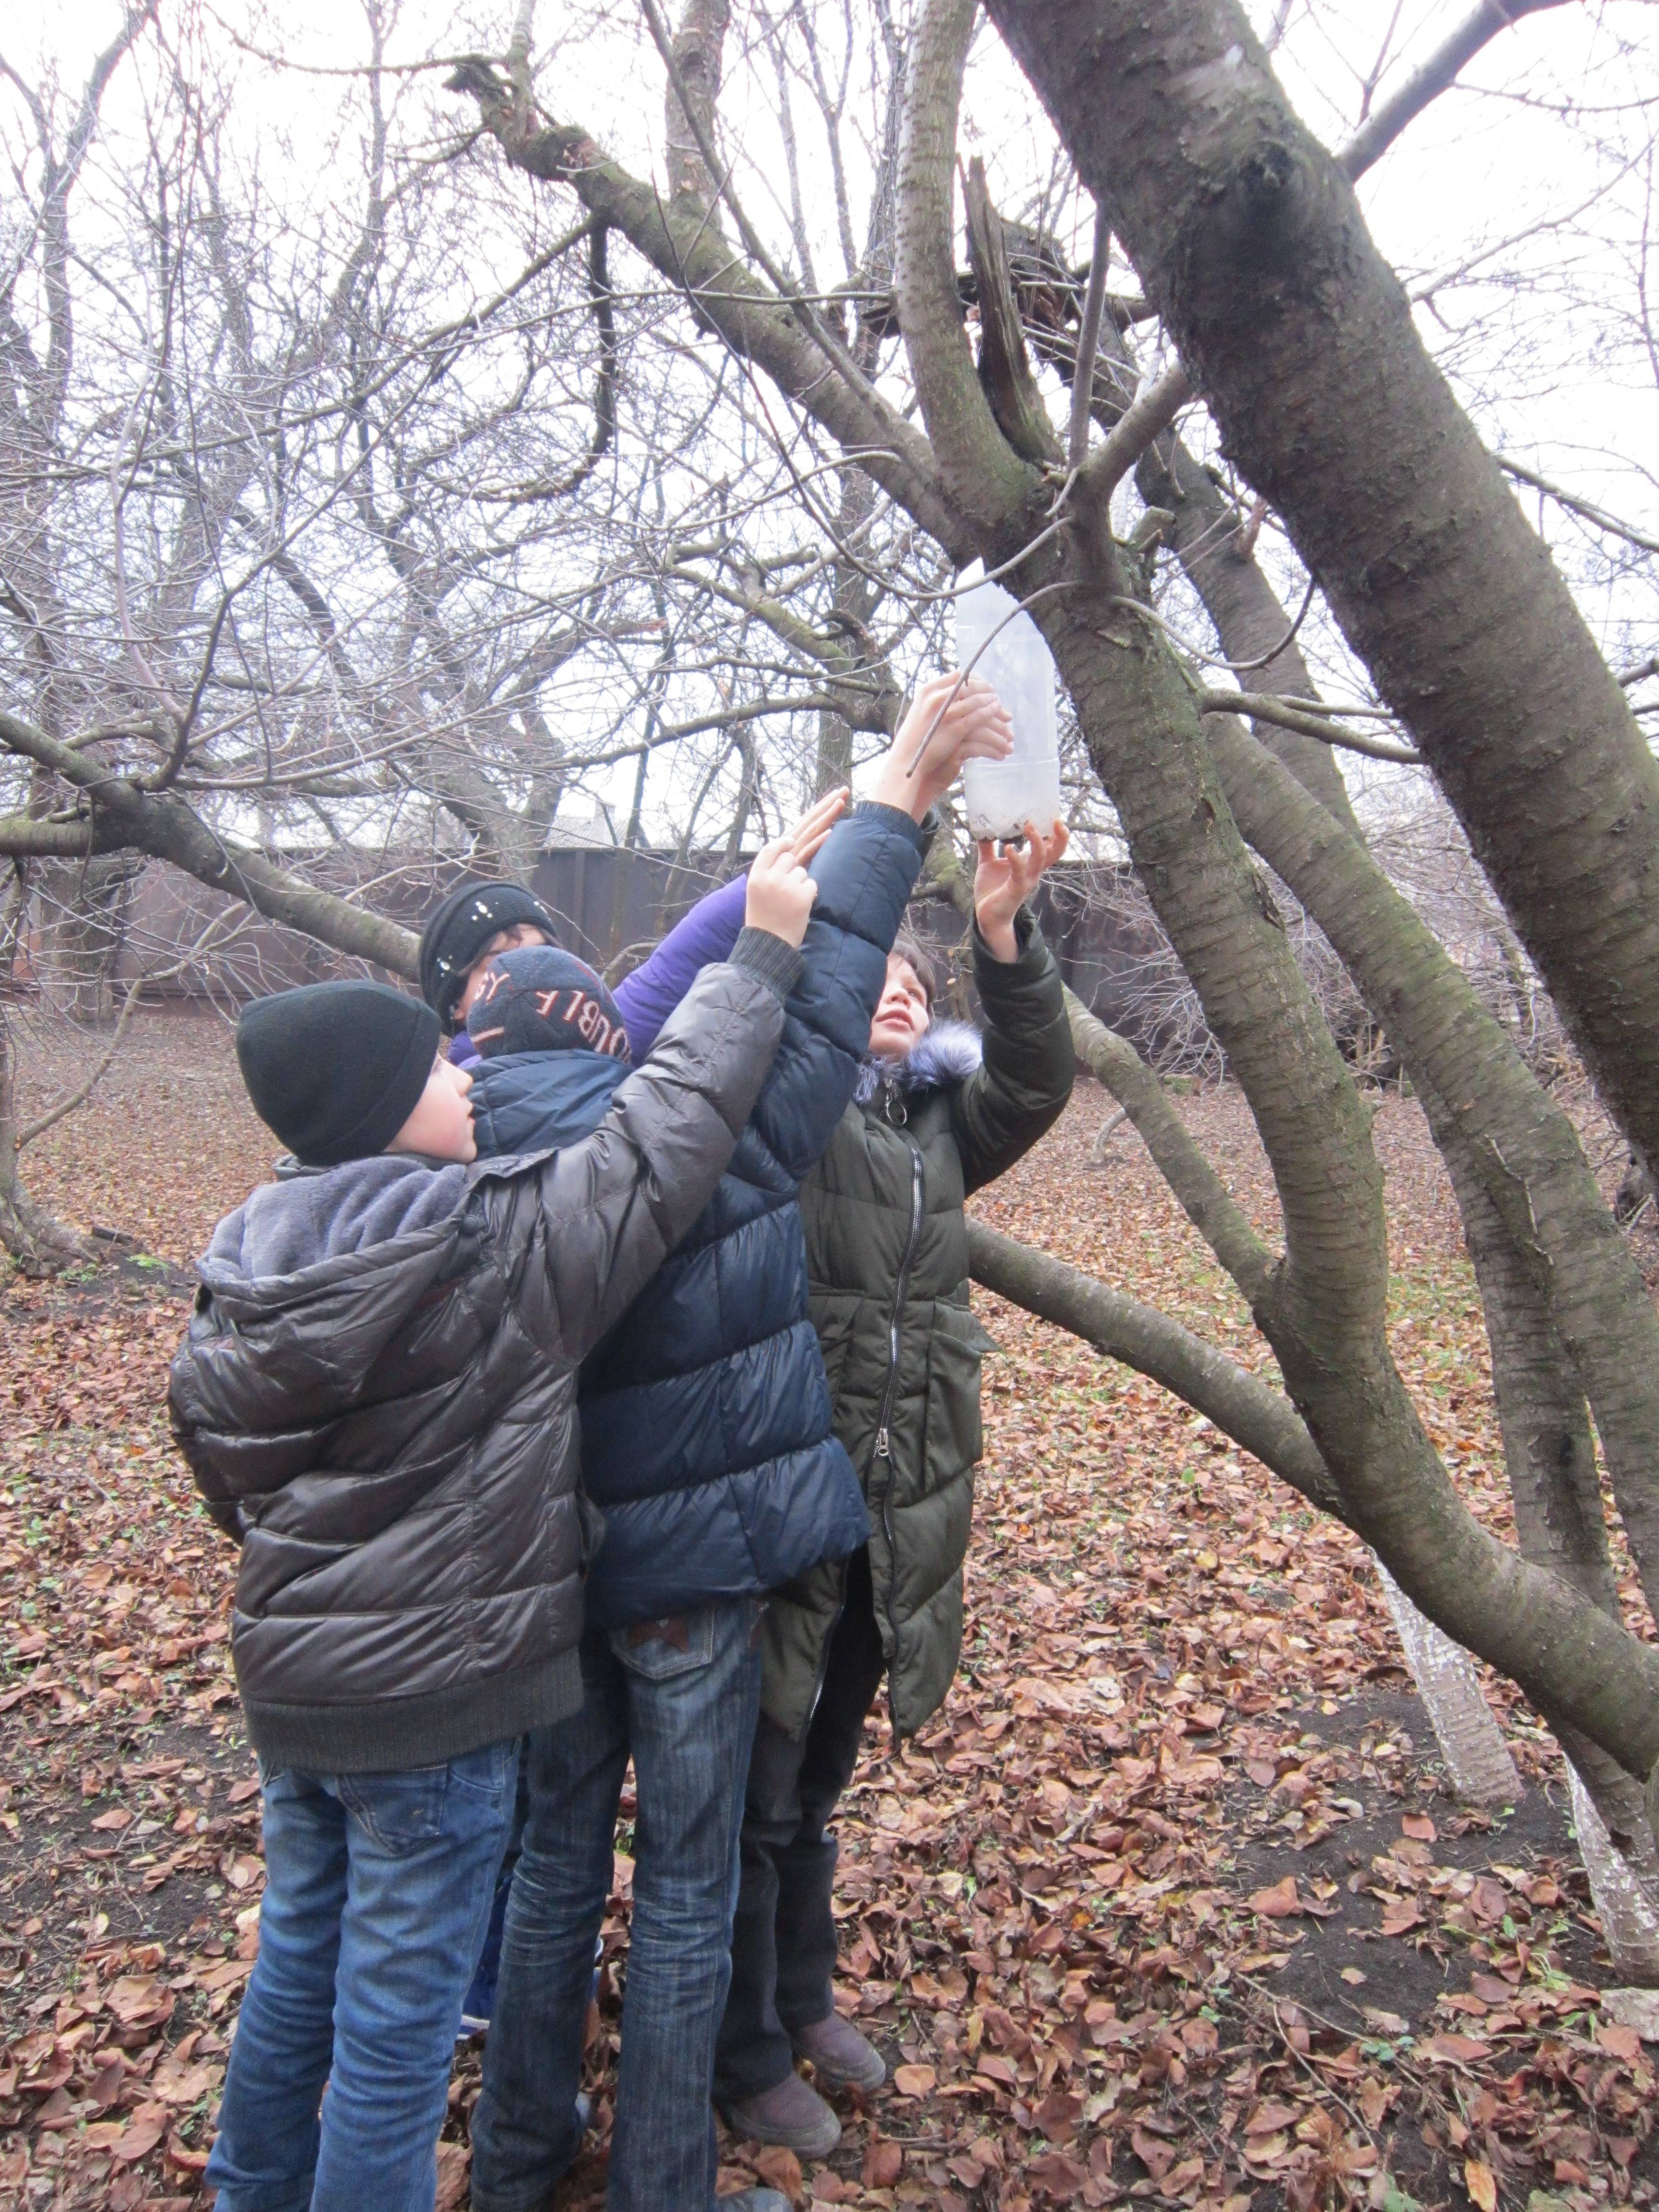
(1163, 1906)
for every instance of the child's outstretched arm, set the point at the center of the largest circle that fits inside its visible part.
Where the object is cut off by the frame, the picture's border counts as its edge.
(866, 873)
(1022, 1087)
(614, 1206)
(651, 992)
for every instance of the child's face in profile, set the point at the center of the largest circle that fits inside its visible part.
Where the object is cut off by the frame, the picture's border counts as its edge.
(442, 1125)
(902, 1016)
(504, 940)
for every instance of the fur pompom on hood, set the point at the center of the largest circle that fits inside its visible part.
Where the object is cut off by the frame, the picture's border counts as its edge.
(949, 1053)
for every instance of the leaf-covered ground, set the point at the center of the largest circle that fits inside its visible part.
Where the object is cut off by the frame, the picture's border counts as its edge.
(1166, 1905)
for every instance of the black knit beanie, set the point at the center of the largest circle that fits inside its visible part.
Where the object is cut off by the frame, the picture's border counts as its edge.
(542, 998)
(335, 1069)
(459, 929)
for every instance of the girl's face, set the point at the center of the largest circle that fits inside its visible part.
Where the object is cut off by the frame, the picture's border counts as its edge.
(902, 1016)
(504, 940)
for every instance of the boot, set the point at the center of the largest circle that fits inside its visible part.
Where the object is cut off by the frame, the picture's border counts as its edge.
(756, 2200)
(790, 2113)
(841, 2056)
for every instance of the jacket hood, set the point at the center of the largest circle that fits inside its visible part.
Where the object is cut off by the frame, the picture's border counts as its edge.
(949, 1053)
(310, 1217)
(315, 1277)
(526, 1100)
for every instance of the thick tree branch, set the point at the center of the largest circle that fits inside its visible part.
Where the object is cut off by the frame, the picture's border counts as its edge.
(1204, 1197)
(1250, 1412)
(1148, 414)
(986, 480)
(160, 825)
(22, 837)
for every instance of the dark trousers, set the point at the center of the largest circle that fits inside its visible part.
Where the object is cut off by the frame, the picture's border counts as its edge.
(783, 1939)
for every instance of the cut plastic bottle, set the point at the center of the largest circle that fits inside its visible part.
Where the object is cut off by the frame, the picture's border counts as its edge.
(1007, 649)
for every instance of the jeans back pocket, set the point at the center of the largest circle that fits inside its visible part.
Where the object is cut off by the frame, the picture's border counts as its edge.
(400, 1810)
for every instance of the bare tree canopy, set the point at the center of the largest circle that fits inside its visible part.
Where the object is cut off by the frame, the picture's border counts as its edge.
(572, 448)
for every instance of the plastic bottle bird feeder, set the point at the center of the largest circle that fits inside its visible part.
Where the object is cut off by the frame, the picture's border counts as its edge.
(996, 640)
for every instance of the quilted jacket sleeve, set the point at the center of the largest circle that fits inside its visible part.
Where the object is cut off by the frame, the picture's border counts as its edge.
(1022, 1087)
(605, 1212)
(865, 874)
(650, 994)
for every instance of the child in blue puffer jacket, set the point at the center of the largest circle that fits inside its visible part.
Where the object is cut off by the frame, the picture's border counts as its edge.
(708, 1444)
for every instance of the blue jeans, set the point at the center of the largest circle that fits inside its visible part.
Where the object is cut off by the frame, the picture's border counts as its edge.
(377, 1892)
(681, 1695)
(479, 2003)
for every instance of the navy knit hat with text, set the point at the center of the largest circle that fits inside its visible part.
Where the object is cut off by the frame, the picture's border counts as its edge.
(541, 999)
(459, 929)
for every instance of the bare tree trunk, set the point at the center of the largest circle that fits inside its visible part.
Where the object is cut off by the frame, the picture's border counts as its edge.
(1623, 1900)
(854, 604)
(1322, 1307)
(38, 1243)
(1248, 240)
(82, 908)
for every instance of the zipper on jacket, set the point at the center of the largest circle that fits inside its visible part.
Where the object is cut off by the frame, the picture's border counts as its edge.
(894, 1341)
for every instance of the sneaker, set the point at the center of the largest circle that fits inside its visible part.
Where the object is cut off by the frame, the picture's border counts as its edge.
(842, 2058)
(755, 2200)
(790, 2113)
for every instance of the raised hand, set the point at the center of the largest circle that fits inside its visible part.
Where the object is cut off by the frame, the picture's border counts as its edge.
(1005, 878)
(974, 725)
(781, 892)
(815, 825)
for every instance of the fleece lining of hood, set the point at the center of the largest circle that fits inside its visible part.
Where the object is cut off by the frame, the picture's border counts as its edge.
(948, 1053)
(286, 1227)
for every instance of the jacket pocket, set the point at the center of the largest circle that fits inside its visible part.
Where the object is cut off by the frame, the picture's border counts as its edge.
(400, 1810)
(953, 1437)
(656, 1651)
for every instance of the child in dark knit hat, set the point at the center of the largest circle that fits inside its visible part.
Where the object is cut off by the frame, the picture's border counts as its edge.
(464, 933)
(377, 1397)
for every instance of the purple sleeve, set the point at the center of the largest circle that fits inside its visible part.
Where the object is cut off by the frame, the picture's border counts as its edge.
(650, 994)
(462, 1050)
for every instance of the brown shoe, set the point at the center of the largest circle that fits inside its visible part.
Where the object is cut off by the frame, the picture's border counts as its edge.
(841, 2056)
(790, 2113)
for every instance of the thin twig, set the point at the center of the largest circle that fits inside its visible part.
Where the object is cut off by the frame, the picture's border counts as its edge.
(1196, 653)
(1575, 505)
(790, 296)
(1265, 706)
